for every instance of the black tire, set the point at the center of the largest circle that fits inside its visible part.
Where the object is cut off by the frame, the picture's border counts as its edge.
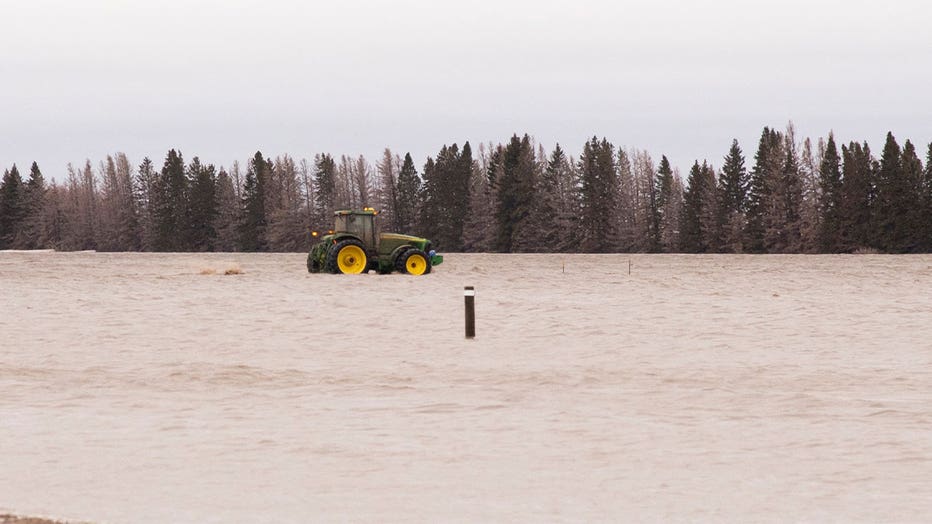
(313, 266)
(401, 263)
(333, 255)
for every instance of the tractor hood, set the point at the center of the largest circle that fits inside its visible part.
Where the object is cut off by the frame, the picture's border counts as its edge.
(389, 242)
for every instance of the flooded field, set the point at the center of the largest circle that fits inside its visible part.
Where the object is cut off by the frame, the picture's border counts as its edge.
(155, 388)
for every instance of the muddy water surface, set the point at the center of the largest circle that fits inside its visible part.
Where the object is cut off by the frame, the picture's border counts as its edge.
(153, 388)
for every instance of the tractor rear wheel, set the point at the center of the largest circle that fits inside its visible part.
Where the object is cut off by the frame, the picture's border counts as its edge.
(413, 262)
(347, 257)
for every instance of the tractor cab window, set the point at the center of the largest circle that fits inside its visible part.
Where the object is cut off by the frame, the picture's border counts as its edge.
(359, 225)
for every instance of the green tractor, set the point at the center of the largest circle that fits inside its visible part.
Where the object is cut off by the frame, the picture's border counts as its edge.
(354, 246)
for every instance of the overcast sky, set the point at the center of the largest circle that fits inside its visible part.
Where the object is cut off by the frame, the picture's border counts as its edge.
(221, 79)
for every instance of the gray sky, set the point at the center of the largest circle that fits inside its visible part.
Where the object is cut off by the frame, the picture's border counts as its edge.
(222, 78)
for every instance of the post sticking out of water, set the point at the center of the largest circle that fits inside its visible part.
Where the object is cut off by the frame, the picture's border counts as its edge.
(469, 293)
(629, 266)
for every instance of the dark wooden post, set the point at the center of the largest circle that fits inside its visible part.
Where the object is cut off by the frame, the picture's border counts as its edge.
(469, 293)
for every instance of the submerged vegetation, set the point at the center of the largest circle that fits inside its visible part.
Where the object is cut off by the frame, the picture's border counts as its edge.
(797, 197)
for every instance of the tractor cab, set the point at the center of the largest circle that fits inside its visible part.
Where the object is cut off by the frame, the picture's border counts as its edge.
(360, 224)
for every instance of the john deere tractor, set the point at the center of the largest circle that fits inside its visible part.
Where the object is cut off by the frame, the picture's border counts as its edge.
(354, 246)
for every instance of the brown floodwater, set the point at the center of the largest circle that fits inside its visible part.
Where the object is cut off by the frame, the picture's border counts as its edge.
(154, 388)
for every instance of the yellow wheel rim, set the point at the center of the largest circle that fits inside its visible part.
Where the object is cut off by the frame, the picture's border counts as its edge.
(351, 260)
(416, 264)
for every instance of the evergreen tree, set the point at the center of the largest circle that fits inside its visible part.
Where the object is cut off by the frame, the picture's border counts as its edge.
(254, 220)
(784, 226)
(830, 202)
(325, 174)
(227, 218)
(666, 216)
(12, 208)
(169, 202)
(910, 238)
(445, 206)
(479, 227)
(408, 191)
(515, 191)
(857, 197)
(35, 225)
(524, 174)
(763, 197)
(429, 207)
(203, 206)
(897, 198)
(733, 191)
(888, 222)
(551, 213)
(145, 184)
(699, 216)
(627, 205)
(599, 193)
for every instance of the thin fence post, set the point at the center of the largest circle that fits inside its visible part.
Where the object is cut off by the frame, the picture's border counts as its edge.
(469, 293)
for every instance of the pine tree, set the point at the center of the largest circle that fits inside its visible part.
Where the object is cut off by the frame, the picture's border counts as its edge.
(666, 214)
(521, 173)
(145, 184)
(515, 192)
(35, 225)
(551, 214)
(479, 227)
(910, 235)
(830, 201)
(784, 226)
(893, 201)
(169, 201)
(733, 191)
(202, 206)
(888, 221)
(627, 205)
(254, 219)
(599, 194)
(227, 219)
(699, 216)
(407, 191)
(12, 208)
(325, 174)
(763, 195)
(857, 197)
(445, 206)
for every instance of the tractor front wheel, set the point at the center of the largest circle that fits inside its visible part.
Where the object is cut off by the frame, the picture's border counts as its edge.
(413, 262)
(348, 257)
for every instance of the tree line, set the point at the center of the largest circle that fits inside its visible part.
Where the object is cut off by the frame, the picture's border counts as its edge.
(797, 197)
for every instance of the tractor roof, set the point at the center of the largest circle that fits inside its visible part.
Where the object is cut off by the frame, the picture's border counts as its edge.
(366, 211)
